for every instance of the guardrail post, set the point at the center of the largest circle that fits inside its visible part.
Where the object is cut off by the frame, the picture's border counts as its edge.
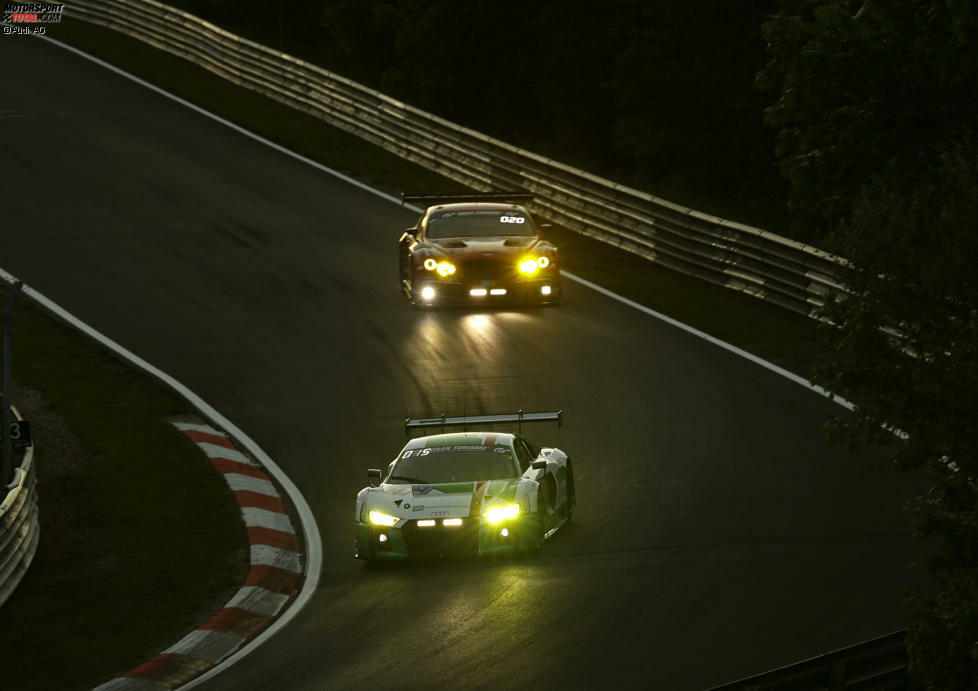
(8, 469)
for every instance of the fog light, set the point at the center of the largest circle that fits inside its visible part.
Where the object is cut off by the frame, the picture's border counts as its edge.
(504, 532)
(545, 290)
(427, 293)
(452, 521)
(478, 292)
(497, 291)
(382, 538)
(425, 524)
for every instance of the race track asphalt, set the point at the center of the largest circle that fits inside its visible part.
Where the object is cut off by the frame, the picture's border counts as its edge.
(716, 535)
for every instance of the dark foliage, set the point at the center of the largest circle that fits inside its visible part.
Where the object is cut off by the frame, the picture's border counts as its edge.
(907, 353)
(876, 121)
(864, 87)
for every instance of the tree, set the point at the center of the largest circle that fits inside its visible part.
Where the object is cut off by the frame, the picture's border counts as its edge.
(905, 350)
(865, 86)
(875, 118)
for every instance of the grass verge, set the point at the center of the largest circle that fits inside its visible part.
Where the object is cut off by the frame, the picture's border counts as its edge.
(768, 331)
(141, 539)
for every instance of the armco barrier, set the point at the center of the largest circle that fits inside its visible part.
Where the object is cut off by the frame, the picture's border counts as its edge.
(873, 665)
(773, 268)
(20, 528)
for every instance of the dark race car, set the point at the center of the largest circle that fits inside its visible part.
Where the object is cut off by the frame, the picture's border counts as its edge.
(477, 253)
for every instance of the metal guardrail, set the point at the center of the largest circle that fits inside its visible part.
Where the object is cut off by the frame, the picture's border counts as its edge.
(768, 266)
(20, 527)
(877, 664)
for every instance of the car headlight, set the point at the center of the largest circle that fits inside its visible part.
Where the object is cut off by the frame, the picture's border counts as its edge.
(531, 264)
(444, 268)
(502, 513)
(378, 518)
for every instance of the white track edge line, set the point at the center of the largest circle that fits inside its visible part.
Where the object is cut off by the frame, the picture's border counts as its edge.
(233, 126)
(346, 178)
(310, 530)
(713, 340)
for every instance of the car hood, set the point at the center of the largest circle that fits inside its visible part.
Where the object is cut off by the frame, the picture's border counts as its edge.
(448, 500)
(488, 248)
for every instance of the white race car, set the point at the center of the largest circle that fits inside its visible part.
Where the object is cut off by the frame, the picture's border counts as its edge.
(465, 492)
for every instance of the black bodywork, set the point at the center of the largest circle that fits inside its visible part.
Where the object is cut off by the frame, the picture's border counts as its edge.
(478, 253)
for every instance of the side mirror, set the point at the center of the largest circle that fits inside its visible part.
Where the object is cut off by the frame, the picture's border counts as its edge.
(539, 465)
(373, 477)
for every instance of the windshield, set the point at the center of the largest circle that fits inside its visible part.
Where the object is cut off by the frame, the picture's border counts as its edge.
(480, 224)
(453, 464)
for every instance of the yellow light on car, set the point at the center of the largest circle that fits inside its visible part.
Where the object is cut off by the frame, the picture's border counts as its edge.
(501, 514)
(529, 266)
(452, 521)
(543, 262)
(430, 264)
(378, 518)
(445, 269)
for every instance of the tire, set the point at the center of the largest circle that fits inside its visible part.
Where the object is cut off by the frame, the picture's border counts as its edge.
(571, 502)
(541, 529)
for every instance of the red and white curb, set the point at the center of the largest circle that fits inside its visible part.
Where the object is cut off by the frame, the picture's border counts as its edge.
(276, 566)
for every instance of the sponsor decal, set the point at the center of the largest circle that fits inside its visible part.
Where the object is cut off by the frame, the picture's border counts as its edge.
(416, 507)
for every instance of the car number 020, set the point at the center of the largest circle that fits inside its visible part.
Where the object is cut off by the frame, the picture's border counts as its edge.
(512, 219)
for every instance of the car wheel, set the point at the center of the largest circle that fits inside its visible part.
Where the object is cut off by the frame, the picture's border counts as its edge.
(571, 503)
(534, 530)
(541, 529)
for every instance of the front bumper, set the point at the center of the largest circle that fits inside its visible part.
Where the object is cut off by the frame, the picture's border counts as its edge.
(475, 537)
(542, 290)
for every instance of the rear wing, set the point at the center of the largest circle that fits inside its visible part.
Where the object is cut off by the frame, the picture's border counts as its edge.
(444, 421)
(430, 199)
